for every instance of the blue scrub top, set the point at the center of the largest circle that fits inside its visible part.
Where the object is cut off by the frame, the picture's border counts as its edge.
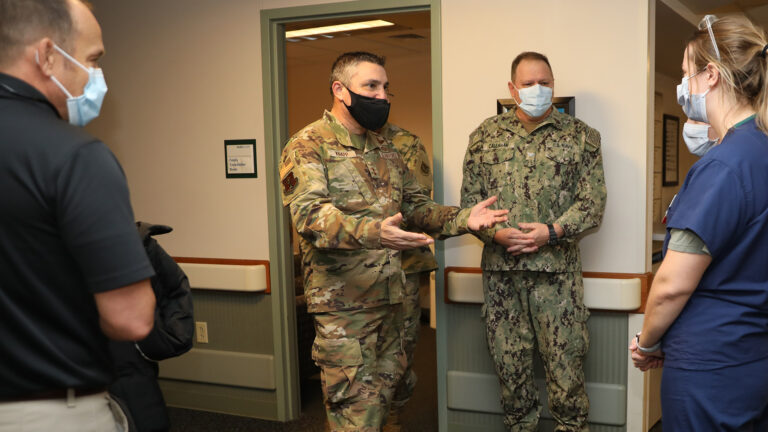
(724, 200)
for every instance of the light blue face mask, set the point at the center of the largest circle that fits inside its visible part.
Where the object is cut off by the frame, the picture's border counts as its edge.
(694, 105)
(696, 137)
(84, 108)
(535, 100)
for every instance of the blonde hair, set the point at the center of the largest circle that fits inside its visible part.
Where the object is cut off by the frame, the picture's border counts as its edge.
(742, 62)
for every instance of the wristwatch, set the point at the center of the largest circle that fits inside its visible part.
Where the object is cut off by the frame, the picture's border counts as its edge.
(648, 350)
(552, 235)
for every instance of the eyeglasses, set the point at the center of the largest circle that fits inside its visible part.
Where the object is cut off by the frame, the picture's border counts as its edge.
(707, 22)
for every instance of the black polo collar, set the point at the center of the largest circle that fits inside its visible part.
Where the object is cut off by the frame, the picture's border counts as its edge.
(14, 88)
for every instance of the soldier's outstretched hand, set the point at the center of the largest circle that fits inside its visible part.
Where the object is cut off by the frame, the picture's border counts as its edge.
(393, 237)
(481, 217)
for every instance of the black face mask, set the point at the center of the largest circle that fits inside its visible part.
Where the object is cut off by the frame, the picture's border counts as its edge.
(370, 113)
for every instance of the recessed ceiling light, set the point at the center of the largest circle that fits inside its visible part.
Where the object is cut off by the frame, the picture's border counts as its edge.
(362, 25)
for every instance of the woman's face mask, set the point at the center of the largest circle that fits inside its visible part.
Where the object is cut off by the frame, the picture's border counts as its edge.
(694, 105)
(86, 107)
(696, 137)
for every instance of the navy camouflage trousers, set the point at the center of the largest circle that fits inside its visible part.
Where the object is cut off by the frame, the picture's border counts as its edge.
(525, 309)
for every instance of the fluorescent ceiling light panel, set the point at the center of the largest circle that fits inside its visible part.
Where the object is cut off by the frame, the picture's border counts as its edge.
(362, 25)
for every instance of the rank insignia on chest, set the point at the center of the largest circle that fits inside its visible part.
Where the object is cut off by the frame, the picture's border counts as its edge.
(424, 168)
(530, 159)
(289, 183)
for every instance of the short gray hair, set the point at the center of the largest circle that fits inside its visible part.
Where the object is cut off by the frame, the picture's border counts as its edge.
(340, 71)
(23, 22)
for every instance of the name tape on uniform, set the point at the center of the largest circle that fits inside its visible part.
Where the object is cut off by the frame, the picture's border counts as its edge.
(342, 153)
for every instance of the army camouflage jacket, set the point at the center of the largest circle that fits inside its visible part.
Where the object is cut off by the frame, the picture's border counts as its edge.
(415, 157)
(552, 175)
(338, 196)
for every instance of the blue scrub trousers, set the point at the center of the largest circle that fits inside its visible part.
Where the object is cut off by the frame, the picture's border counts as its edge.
(720, 400)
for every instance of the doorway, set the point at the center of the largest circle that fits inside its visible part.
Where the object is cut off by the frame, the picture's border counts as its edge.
(296, 92)
(404, 41)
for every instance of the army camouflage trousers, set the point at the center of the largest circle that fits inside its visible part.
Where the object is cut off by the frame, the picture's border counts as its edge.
(524, 309)
(412, 325)
(361, 360)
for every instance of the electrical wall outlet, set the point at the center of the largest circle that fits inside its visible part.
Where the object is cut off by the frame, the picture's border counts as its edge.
(201, 329)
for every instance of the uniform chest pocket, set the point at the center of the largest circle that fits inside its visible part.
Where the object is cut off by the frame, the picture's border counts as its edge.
(392, 178)
(497, 166)
(346, 186)
(563, 154)
(564, 165)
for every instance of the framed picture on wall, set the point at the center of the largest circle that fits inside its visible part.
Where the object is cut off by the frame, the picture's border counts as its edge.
(670, 142)
(564, 104)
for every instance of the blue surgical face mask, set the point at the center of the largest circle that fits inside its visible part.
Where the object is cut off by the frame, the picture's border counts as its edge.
(696, 137)
(694, 105)
(84, 108)
(535, 100)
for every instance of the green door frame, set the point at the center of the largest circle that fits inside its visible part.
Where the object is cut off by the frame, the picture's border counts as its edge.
(276, 135)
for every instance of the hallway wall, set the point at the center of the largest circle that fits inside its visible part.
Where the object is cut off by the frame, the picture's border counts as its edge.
(599, 54)
(183, 76)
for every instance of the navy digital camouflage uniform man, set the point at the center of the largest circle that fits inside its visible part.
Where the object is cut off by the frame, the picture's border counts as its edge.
(417, 263)
(348, 191)
(546, 168)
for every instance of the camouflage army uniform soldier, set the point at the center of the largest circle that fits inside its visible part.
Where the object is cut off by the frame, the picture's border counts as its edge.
(417, 263)
(546, 168)
(348, 190)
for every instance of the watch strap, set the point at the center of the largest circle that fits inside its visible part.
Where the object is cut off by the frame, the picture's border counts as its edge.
(552, 235)
(654, 348)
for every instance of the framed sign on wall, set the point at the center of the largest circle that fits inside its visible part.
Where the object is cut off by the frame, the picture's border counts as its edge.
(670, 142)
(240, 158)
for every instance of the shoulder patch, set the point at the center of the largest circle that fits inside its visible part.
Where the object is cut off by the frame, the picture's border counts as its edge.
(286, 168)
(289, 183)
(287, 177)
(592, 139)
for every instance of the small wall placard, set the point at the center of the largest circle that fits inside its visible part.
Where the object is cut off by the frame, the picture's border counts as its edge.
(240, 158)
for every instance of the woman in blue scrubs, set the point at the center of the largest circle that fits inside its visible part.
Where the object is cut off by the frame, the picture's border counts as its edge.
(706, 319)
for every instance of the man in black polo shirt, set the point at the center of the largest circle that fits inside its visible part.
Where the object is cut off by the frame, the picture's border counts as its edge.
(72, 268)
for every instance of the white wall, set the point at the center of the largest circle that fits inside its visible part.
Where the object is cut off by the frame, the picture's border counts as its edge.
(599, 54)
(183, 76)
